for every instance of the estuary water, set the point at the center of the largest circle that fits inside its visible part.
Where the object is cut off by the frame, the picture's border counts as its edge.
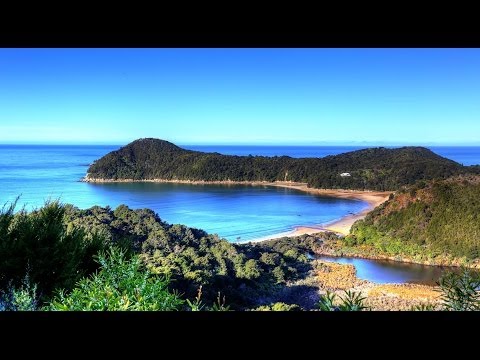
(388, 272)
(237, 213)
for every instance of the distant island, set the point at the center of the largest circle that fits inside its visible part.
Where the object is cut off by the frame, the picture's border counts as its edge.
(379, 169)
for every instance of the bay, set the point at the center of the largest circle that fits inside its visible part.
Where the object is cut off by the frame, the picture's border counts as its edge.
(39, 172)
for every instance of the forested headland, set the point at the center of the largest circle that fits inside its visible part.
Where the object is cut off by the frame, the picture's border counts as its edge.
(369, 169)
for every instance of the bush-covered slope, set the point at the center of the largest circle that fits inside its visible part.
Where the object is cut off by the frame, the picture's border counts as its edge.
(38, 246)
(430, 219)
(244, 273)
(51, 253)
(374, 168)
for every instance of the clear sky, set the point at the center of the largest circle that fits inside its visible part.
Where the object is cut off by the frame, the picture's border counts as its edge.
(241, 96)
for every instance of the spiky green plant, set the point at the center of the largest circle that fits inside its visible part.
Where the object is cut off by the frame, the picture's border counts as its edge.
(219, 305)
(423, 307)
(460, 292)
(351, 301)
(197, 304)
(326, 302)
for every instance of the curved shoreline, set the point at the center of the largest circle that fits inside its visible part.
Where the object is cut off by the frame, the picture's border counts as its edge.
(340, 226)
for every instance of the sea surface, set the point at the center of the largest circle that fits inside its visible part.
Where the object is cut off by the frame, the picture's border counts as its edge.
(37, 173)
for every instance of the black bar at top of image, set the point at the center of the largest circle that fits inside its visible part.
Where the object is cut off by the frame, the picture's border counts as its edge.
(235, 39)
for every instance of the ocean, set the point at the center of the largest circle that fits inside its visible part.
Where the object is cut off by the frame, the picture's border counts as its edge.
(37, 173)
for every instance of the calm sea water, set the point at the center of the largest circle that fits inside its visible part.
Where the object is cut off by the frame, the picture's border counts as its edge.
(237, 213)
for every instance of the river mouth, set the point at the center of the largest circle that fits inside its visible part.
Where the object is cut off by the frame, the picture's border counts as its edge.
(392, 272)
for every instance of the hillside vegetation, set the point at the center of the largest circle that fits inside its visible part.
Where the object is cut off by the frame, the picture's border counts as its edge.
(104, 259)
(373, 169)
(190, 257)
(425, 221)
(123, 259)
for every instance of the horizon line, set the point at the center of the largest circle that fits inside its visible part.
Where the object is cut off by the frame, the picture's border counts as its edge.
(340, 143)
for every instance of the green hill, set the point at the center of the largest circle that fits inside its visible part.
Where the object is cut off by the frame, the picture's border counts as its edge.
(428, 220)
(244, 273)
(374, 168)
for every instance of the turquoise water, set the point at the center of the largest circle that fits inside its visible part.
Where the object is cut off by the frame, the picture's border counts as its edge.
(237, 213)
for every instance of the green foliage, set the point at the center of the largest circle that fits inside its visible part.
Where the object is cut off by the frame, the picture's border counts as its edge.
(57, 243)
(460, 292)
(423, 307)
(375, 168)
(192, 258)
(425, 221)
(220, 305)
(197, 304)
(327, 302)
(351, 301)
(278, 306)
(278, 274)
(120, 284)
(22, 298)
(251, 270)
(54, 254)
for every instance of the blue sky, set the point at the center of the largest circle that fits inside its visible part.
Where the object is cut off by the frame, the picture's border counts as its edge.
(241, 96)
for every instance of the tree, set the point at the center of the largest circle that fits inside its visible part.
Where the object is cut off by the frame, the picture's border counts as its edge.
(252, 270)
(41, 245)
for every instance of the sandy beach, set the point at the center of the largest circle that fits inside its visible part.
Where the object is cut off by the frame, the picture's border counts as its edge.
(341, 226)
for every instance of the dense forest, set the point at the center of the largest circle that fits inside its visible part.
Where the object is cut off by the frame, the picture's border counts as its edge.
(373, 169)
(70, 257)
(427, 220)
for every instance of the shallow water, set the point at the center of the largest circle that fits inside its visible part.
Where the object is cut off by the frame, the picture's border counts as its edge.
(386, 271)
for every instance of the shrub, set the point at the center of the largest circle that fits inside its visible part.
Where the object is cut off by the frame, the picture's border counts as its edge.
(22, 298)
(119, 285)
(352, 301)
(54, 254)
(460, 292)
(278, 306)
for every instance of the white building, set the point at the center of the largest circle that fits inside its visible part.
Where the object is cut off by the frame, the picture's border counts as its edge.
(345, 174)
